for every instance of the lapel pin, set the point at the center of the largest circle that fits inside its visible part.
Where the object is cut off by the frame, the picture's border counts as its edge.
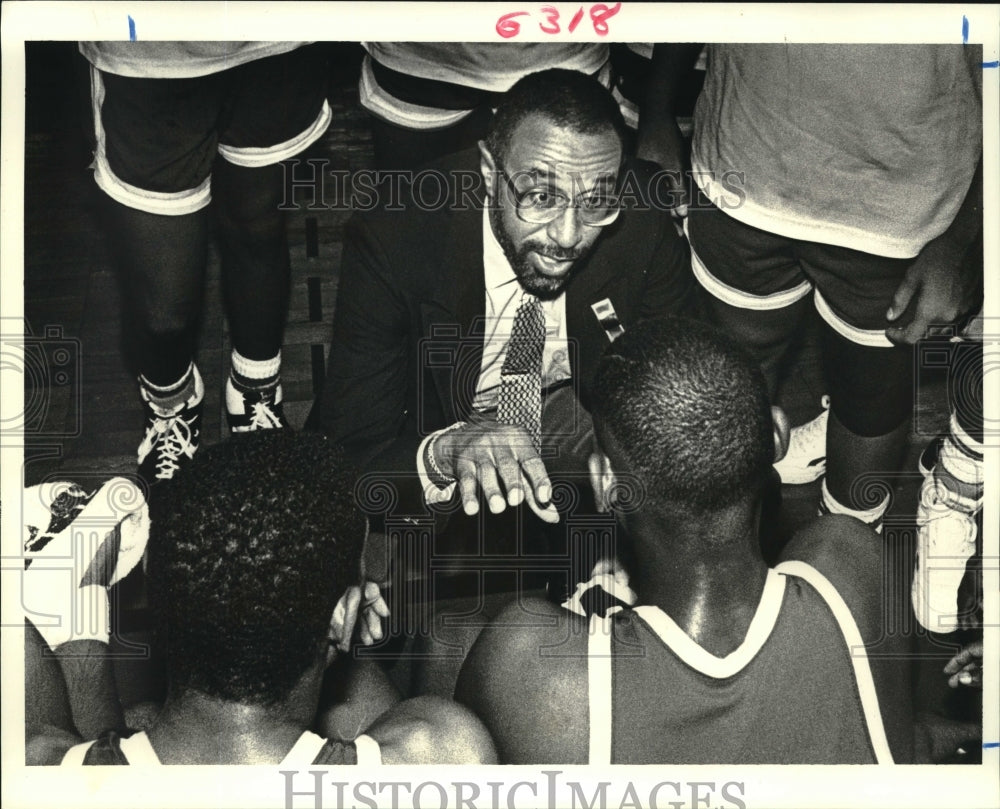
(608, 318)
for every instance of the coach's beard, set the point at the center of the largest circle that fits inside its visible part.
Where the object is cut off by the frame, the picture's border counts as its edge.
(532, 279)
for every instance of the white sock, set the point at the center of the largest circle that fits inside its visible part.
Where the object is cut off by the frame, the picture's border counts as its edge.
(961, 457)
(871, 516)
(251, 371)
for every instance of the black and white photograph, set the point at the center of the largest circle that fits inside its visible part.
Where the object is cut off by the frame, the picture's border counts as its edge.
(500, 405)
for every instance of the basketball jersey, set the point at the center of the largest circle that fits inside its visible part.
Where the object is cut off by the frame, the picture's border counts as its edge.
(869, 147)
(177, 60)
(798, 690)
(428, 85)
(308, 749)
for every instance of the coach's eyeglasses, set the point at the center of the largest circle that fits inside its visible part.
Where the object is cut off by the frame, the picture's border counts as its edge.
(540, 205)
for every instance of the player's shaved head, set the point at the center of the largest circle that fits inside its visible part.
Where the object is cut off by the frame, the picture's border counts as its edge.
(682, 407)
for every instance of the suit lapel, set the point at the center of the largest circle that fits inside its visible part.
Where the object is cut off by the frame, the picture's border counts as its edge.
(454, 316)
(594, 283)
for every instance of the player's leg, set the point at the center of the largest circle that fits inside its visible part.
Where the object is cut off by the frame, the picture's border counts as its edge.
(756, 289)
(870, 380)
(48, 719)
(278, 108)
(415, 120)
(871, 404)
(400, 149)
(759, 295)
(153, 159)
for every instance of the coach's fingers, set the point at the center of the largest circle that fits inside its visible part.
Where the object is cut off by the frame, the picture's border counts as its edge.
(468, 486)
(510, 475)
(490, 485)
(537, 477)
(546, 511)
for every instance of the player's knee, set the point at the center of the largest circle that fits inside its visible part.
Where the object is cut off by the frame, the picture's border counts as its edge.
(871, 389)
(874, 413)
(760, 331)
(252, 208)
(171, 330)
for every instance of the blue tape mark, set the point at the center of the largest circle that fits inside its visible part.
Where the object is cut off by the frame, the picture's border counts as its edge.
(991, 64)
(990, 744)
(131, 29)
(965, 29)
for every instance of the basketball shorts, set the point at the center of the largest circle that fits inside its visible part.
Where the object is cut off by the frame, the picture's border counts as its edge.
(760, 271)
(157, 139)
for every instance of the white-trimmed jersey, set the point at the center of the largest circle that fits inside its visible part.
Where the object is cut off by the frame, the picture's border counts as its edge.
(309, 749)
(177, 60)
(798, 690)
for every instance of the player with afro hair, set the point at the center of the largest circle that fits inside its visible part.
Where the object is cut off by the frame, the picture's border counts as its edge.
(254, 571)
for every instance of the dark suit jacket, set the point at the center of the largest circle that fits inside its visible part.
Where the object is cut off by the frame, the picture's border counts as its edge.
(407, 331)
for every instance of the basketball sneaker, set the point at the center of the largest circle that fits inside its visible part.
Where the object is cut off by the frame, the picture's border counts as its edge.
(172, 433)
(946, 538)
(805, 460)
(249, 409)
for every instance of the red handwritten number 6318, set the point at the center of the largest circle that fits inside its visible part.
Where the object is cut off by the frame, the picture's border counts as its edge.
(507, 26)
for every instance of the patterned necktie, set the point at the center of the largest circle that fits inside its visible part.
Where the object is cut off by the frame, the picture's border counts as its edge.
(520, 399)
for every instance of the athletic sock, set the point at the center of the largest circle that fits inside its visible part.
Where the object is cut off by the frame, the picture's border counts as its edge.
(167, 399)
(872, 516)
(255, 374)
(253, 395)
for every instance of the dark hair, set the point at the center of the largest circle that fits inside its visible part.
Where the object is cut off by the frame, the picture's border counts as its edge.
(567, 98)
(682, 407)
(250, 547)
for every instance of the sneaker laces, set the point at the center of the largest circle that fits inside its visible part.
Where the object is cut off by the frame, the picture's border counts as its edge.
(171, 437)
(936, 506)
(263, 417)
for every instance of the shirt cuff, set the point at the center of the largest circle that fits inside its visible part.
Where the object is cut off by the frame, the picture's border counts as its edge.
(433, 494)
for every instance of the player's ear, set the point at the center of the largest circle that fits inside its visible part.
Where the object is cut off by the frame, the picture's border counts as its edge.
(330, 652)
(602, 477)
(782, 431)
(487, 167)
(330, 649)
(364, 552)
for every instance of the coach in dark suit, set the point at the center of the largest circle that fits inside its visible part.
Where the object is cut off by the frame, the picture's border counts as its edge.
(548, 215)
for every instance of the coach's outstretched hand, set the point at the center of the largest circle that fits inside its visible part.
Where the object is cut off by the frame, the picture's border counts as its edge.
(500, 461)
